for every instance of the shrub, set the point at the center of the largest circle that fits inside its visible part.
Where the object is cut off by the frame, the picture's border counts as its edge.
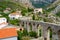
(33, 17)
(30, 9)
(58, 14)
(48, 20)
(25, 33)
(40, 34)
(14, 22)
(19, 35)
(25, 38)
(33, 34)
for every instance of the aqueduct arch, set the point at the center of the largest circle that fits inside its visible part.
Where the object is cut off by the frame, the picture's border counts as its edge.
(45, 26)
(59, 34)
(49, 31)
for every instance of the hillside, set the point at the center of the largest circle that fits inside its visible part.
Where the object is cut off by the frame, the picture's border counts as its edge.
(54, 5)
(57, 2)
(54, 8)
(12, 5)
(41, 3)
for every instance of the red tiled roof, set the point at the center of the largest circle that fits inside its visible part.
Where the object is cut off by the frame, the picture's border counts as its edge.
(8, 32)
(3, 23)
(15, 13)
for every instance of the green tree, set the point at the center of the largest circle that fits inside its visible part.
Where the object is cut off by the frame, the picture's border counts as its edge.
(30, 10)
(14, 22)
(33, 34)
(25, 33)
(33, 17)
(58, 14)
(20, 34)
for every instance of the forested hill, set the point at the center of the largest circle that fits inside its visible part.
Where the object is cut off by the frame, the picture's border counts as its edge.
(9, 4)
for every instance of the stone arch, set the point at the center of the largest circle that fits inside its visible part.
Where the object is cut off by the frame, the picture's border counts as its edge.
(21, 24)
(30, 25)
(39, 30)
(34, 27)
(39, 26)
(58, 34)
(49, 28)
(49, 35)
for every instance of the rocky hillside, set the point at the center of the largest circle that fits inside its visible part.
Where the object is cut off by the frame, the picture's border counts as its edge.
(54, 8)
(57, 2)
(41, 3)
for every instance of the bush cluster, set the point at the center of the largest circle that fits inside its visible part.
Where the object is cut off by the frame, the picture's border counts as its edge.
(23, 35)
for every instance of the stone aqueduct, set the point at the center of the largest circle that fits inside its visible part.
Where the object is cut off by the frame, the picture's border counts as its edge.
(45, 27)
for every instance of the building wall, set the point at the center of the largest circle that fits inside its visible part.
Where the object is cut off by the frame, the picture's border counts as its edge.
(3, 20)
(13, 38)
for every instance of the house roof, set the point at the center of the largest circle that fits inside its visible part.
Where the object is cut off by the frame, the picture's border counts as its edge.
(3, 23)
(15, 13)
(8, 32)
(2, 18)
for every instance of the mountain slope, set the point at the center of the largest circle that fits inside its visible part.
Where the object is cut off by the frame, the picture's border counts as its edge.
(56, 10)
(54, 7)
(12, 5)
(41, 3)
(57, 2)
